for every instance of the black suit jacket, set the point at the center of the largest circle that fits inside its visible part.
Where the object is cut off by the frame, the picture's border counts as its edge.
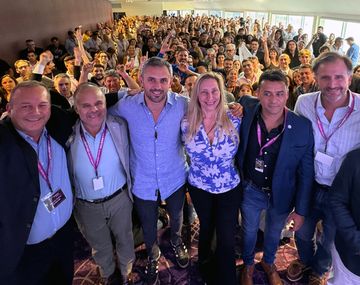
(345, 201)
(260, 55)
(294, 169)
(20, 188)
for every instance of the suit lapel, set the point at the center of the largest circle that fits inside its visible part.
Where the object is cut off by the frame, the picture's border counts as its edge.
(246, 125)
(286, 142)
(118, 138)
(29, 155)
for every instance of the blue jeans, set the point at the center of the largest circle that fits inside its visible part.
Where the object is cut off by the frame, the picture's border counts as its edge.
(253, 202)
(317, 253)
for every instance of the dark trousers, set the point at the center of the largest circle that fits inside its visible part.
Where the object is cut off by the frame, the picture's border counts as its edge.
(217, 213)
(50, 262)
(314, 252)
(148, 214)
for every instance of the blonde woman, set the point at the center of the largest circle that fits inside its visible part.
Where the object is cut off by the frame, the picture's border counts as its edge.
(211, 137)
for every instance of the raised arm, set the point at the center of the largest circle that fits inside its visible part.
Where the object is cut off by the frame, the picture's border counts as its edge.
(131, 83)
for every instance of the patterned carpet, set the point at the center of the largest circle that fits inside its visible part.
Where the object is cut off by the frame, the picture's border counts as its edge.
(87, 273)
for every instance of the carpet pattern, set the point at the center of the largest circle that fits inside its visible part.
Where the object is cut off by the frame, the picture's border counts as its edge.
(87, 273)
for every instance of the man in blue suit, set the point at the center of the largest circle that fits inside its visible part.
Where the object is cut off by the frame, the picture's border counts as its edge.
(276, 161)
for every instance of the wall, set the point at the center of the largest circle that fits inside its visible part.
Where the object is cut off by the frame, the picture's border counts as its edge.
(41, 19)
(141, 8)
(345, 10)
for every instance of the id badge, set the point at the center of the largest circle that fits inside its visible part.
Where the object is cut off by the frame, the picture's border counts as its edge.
(259, 165)
(52, 200)
(324, 158)
(98, 183)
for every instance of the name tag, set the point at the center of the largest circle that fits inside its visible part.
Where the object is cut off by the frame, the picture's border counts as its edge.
(259, 165)
(324, 158)
(52, 200)
(98, 183)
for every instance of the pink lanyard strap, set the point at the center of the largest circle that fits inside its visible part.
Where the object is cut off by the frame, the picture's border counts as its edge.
(43, 173)
(341, 123)
(95, 163)
(273, 140)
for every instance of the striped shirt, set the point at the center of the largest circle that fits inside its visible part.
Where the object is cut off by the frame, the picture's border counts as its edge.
(345, 138)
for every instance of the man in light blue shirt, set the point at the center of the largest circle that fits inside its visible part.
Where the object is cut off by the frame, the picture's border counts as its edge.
(335, 115)
(99, 167)
(353, 51)
(35, 196)
(157, 159)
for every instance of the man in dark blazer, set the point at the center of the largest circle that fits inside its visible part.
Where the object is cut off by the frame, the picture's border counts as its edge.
(345, 201)
(276, 161)
(255, 51)
(35, 206)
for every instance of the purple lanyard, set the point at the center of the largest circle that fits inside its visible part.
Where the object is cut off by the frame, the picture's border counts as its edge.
(43, 173)
(95, 163)
(342, 121)
(273, 140)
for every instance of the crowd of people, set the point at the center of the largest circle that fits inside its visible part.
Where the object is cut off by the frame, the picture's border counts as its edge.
(247, 119)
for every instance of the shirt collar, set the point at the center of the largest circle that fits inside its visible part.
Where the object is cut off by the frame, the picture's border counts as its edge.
(88, 134)
(352, 97)
(30, 140)
(170, 98)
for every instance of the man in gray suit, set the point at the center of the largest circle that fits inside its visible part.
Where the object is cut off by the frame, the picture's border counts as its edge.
(99, 167)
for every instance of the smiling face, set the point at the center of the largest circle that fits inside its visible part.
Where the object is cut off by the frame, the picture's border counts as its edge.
(91, 107)
(156, 81)
(333, 80)
(112, 83)
(273, 96)
(307, 75)
(29, 110)
(209, 95)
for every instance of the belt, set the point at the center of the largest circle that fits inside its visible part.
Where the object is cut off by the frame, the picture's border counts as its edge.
(266, 190)
(107, 198)
(322, 186)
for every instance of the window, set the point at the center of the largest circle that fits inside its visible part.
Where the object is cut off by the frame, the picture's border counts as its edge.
(276, 20)
(215, 13)
(352, 30)
(229, 15)
(307, 26)
(201, 13)
(258, 15)
(304, 22)
(185, 12)
(172, 12)
(332, 26)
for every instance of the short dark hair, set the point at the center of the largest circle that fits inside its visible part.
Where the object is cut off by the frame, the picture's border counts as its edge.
(156, 62)
(98, 65)
(26, 85)
(306, 65)
(273, 75)
(323, 49)
(332, 57)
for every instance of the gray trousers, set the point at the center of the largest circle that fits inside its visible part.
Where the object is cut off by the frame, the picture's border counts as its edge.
(97, 221)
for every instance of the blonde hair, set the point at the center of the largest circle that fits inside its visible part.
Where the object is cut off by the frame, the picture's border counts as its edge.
(305, 52)
(285, 56)
(195, 114)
